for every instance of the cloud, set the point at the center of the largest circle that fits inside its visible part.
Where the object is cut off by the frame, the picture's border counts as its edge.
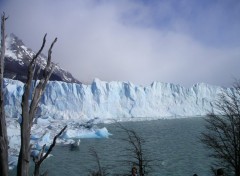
(169, 41)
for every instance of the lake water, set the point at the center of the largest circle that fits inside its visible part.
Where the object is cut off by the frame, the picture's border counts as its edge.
(173, 143)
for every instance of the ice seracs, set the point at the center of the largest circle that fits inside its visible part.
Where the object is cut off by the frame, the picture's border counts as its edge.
(115, 100)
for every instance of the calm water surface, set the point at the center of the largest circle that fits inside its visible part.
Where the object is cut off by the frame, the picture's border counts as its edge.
(173, 143)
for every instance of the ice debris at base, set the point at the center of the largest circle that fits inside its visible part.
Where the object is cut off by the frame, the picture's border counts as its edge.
(43, 133)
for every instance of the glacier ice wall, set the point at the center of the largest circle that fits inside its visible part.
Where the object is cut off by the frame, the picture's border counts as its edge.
(115, 100)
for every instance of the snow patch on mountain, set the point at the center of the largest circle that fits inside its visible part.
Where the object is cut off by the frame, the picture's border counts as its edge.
(18, 57)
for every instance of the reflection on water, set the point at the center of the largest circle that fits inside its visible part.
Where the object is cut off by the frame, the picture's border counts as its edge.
(173, 143)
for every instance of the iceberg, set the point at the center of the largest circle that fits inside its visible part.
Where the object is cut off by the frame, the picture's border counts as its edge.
(12, 161)
(93, 133)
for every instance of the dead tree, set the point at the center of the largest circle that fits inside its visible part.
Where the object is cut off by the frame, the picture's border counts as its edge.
(101, 171)
(42, 156)
(222, 135)
(136, 151)
(30, 101)
(3, 127)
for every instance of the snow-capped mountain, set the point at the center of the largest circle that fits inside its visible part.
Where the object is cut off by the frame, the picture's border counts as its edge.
(17, 58)
(116, 100)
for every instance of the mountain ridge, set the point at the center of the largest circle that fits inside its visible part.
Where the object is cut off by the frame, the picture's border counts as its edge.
(18, 57)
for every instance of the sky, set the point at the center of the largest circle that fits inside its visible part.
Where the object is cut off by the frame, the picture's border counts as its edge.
(176, 41)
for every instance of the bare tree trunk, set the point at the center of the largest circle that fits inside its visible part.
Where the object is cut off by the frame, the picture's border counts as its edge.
(29, 108)
(136, 151)
(24, 154)
(100, 171)
(3, 127)
(41, 157)
(36, 170)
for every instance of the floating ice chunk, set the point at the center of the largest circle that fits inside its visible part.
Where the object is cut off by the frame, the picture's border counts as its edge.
(39, 146)
(94, 133)
(75, 145)
(12, 161)
(45, 139)
(67, 141)
(35, 153)
(102, 133)
(40, 142)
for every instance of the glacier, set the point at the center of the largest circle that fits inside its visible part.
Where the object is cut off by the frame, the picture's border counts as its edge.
(122, 101)
(82, 107)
